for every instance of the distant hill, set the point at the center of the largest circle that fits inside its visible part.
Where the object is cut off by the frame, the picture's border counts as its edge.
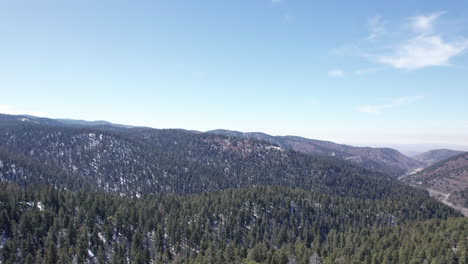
(436, 155)
(59, 121)
(385, 160)
(90, 123)
(449, 178)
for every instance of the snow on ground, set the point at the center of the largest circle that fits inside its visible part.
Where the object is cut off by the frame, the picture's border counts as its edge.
(40, 206)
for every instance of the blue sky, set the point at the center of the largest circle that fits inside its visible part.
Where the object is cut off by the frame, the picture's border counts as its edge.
(359, 72)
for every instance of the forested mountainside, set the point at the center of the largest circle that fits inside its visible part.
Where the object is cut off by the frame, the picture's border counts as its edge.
(433, 156)
(385, 160)
(77, 192)
(249, 225)
(141, 161)
(449, 177)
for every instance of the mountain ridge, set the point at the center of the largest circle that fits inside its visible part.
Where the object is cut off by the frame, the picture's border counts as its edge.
(140, 161)
(433, 156)
(385, 160)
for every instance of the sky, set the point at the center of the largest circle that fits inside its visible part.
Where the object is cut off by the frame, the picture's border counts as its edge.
(393, 73)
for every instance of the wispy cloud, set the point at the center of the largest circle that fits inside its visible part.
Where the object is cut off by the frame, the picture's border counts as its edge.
(11, 110)
(424, 43)
(425, 23)
(374, 109)
(376, 26)
(275, 1)
(389, 103)
(336, 73)
(427, 48)
(423, 51)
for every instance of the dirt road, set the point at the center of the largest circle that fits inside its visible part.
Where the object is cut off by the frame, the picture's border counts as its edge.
(443, 197)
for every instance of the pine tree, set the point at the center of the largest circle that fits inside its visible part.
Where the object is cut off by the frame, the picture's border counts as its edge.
(50, 252)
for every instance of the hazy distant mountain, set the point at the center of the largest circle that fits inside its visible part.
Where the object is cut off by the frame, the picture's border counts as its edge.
(385, 160)
(90, 123)
(28, 119)
(448, 177)
(436, 155)
(59, 121)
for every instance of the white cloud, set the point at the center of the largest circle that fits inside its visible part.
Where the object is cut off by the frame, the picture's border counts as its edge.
(405, 100)
(336, 73)
(425, 23)
(374, 109)
(423, 51)
(11, 110)
(376, 26)
(425, 44)
(426, 49)
(390, 103)
(275, 1)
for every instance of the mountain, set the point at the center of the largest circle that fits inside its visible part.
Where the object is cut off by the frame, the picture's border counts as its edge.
(385, 160)
(448, 179)
(436, 155)
(59, 121)
(13, 119)
(74, 122)
(143, 161)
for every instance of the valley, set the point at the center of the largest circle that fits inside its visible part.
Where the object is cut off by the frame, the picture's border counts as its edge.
(448, 177)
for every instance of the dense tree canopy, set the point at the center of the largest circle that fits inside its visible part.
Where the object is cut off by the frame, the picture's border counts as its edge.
(256, 224)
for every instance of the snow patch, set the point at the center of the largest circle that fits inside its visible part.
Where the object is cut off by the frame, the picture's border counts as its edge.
(102, 238)
(40, 206)
(273, 147)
